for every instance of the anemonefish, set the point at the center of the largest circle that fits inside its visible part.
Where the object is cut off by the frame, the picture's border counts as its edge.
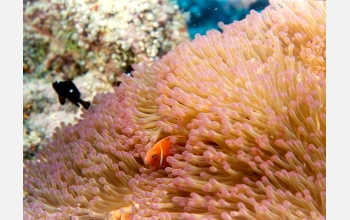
(67, 90)
(156, 156)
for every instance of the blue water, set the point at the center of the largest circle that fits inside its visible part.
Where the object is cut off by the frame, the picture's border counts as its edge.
(205, 14)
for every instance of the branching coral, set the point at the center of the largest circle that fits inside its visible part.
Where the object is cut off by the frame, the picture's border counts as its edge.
(250, 103)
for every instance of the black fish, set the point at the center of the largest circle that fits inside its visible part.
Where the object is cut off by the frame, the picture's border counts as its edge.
(127, 72)
(67, 90)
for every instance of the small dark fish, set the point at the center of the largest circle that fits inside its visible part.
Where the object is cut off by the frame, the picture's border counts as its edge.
(127, 72)
(67, 90)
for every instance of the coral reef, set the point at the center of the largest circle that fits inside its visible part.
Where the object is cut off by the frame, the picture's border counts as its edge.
(71, 38)
(246, 110)
(76, 36)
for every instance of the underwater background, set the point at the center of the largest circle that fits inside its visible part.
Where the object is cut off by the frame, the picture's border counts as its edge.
(161, 109)
(205, 14)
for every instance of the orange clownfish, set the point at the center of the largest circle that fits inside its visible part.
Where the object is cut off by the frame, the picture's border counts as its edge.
(156, 156)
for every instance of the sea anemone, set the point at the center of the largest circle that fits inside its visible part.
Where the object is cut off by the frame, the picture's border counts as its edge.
(247, 112)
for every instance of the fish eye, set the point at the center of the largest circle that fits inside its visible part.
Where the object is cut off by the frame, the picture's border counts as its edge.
(154, 156)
